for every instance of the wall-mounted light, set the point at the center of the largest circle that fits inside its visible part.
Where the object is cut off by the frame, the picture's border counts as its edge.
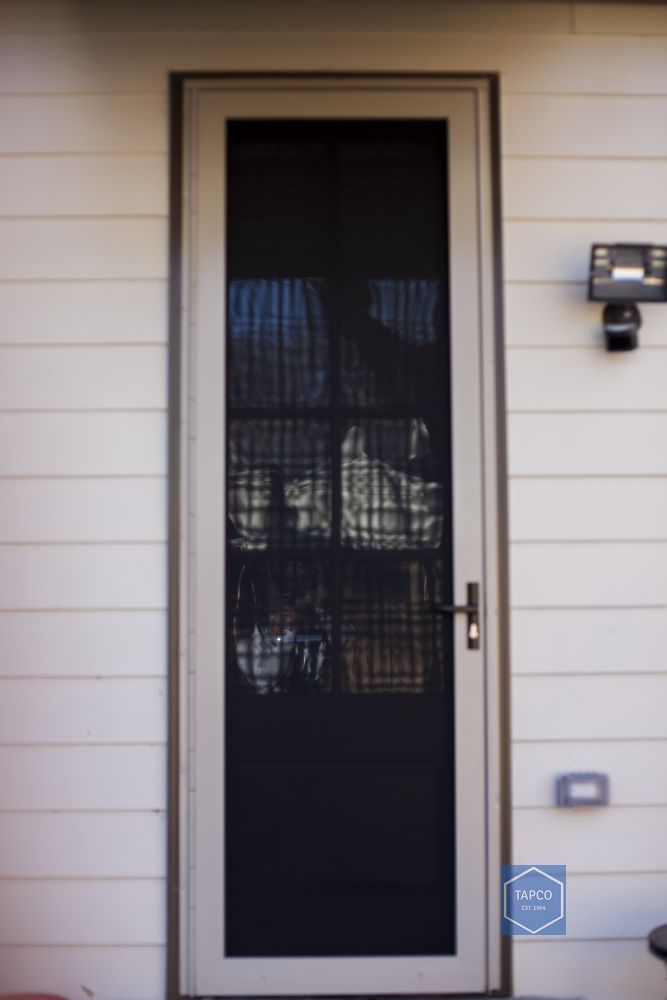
(621, 275)
(582, 788)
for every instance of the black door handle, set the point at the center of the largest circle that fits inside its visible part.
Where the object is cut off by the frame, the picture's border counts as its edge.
(471, 609)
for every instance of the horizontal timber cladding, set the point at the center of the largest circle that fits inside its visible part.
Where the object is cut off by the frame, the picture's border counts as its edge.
(632, 762)
(83, 124)
(67, 776)
(94, 576)
(592, 574)
(97, 248)
(588, 444)
(570, 716)
(67, 63)
(66, 443)
(133, 972)
(588, 509)
(82, 710)
(613, 840)
(200, 16)
(83, 643)
(585, 640)
(83, 378)
(603, 968)
(549, 314)
(83, 457)
(614, 126)
(560, 249)
(621, 19)
(611, 901)
(561, 188)
(49, 186)
(83, 510)
(84, 312)
(83, 845)
(586, 380)
(93, 912)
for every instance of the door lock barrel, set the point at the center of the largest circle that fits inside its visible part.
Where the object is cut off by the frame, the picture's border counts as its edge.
(471, 609)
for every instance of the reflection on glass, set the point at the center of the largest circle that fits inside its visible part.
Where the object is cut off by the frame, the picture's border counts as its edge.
(338, 404)
(278, 342)
(388, 497)
(389, 500)
(391, 642)
(390, 345)
(266, 458)
(407, 307)
(281, 626)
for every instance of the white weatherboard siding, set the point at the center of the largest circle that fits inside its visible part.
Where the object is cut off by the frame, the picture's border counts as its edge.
(83, 459)
(83, 463)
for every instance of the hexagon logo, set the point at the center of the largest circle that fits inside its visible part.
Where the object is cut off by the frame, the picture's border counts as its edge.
(533, 899)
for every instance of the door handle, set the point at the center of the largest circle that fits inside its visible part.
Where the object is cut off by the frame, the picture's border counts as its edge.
(471, 609)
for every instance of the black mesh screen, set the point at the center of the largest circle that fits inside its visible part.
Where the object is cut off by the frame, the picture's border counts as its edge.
(339, 736)
(338, 410)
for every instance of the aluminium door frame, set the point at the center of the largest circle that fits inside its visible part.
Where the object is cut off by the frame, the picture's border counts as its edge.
(180, 971)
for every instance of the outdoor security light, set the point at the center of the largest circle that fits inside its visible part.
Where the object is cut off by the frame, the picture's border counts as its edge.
(622, 274)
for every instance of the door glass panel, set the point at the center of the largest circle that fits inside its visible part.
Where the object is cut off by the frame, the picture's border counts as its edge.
(339, 711)
(281, 626)
(278, 483)
(278, 342)
(391, 642)
(391, 342)
(392, 494)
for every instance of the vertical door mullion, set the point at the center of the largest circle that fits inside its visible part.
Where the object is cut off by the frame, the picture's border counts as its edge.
(335, 287)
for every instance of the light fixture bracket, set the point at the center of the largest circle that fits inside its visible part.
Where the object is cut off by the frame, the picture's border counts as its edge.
(628, 272)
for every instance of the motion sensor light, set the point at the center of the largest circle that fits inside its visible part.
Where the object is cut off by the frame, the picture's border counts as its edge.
(621, 275)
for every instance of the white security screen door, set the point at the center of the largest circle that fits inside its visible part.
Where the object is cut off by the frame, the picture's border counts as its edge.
(335, 538)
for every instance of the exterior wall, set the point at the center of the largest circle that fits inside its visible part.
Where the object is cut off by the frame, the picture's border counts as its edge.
(83, 263)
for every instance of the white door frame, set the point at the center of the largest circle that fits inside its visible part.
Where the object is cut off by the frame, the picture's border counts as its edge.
(465, 104)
